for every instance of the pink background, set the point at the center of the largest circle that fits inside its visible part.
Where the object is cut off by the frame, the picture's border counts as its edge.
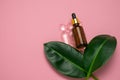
(26, 24)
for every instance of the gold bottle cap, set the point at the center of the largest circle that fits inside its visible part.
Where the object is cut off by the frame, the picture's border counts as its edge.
(74, 19)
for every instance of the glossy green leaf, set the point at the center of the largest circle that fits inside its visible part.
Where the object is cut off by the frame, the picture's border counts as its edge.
(66, 59)
(69, 61)
(98, 51)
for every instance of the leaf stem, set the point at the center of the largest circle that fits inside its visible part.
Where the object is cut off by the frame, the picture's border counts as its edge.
(87, 78)
(94, 77)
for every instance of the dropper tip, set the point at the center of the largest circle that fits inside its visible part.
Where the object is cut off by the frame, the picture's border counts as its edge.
(73, 15)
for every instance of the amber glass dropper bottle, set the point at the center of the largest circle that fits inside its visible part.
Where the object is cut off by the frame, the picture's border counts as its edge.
(78, 33)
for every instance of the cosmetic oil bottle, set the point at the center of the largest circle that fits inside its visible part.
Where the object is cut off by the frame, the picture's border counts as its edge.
(78, 33)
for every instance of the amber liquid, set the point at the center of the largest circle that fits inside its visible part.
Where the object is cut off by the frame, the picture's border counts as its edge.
(79, 36)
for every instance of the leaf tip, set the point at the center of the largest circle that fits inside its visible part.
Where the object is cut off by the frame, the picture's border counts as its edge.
(45, 44)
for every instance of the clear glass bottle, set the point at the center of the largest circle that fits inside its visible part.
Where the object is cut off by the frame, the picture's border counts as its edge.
(67, 35)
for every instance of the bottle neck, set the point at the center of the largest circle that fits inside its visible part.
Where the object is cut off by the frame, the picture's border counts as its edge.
(76, 25)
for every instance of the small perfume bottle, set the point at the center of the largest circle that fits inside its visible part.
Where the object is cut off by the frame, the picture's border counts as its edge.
(67, 35)
(78, 33)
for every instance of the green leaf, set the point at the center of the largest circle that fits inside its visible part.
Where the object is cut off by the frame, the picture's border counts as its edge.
(98, 52)
(66, 59)
(69, 61)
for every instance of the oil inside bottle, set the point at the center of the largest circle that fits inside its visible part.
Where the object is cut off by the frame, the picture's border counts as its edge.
(78, 33)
